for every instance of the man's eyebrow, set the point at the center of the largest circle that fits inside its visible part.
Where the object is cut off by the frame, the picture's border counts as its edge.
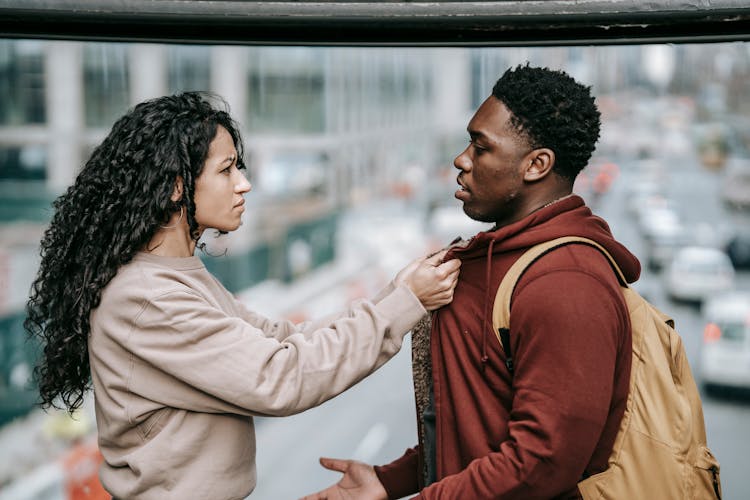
(476, 134)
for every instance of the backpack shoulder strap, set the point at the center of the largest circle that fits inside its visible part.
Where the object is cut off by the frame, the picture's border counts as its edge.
(501, 308)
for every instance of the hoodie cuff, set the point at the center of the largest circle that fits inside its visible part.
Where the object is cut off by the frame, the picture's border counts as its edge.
(400, 478)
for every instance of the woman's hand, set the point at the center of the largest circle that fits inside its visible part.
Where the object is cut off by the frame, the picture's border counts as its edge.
(431, 281)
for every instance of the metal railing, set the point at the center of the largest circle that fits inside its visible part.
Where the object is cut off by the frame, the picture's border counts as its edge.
(402, 23)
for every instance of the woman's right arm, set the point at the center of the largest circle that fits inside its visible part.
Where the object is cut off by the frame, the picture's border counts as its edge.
(434, 290)
(189, 354)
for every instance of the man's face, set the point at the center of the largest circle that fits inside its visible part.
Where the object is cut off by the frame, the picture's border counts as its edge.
(491, 167)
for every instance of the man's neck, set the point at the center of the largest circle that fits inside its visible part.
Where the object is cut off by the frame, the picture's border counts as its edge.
(535, 208)
(552, 202)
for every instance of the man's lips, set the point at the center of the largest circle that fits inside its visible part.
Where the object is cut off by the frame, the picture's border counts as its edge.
(461, 193)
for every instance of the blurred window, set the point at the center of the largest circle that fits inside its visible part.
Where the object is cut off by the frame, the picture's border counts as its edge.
(732, 331)
(707, 267)
(22, 82)
(23, 194)
(287, 90)
(105, 81)
(24, 163)
(289, 174)
(189, 68)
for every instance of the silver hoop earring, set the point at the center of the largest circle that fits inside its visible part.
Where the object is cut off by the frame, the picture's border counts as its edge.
(182, 212)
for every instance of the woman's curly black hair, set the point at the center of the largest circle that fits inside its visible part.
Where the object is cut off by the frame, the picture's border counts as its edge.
(118, 201)
(551, 110)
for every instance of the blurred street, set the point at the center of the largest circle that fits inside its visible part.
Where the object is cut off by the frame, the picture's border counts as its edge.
(349, 151)
(374, 422)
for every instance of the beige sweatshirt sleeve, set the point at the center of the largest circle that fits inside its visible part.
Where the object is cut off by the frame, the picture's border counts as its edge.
(189, 354)
(281, 329)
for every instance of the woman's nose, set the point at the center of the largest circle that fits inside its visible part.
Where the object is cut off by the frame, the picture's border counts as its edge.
(243, 186)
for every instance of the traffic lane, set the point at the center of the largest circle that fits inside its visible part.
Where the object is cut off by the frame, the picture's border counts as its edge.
(696, 194)
(374, 422)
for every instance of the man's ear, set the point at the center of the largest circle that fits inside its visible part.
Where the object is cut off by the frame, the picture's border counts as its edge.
(178, 189)
(540, 163)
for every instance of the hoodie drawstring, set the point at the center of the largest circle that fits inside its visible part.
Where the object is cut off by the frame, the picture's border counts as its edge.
(487, 312)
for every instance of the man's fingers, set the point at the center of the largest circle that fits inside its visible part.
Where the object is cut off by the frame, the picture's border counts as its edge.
(334, 464)
(321, 495)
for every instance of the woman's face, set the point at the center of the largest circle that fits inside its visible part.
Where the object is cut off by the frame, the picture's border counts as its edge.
(219, 189)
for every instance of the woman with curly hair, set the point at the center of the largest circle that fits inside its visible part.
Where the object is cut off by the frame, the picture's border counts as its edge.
(178, 366)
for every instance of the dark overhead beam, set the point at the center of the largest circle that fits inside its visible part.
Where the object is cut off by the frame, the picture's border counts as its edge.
(391, 23)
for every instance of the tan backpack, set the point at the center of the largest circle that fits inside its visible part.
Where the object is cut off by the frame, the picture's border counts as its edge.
(660, 451)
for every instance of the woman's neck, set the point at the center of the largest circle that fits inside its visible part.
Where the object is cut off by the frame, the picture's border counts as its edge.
(172, 241)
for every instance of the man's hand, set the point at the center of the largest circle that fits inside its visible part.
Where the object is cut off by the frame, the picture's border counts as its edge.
(359, 482)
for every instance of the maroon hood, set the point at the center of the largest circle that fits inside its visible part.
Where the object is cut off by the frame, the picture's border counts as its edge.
(566, 217)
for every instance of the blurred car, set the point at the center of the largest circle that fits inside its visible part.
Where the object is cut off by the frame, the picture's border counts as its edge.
(738, 249)
(641, 193)
(697, 273)
(735, 187)
(654, 219)
(725, 355)
(663, 241)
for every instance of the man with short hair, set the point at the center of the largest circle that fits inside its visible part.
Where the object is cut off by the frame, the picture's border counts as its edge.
(535, 432)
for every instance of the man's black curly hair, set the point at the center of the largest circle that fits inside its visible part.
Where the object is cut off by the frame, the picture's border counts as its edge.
(551, 110)
(116, 204)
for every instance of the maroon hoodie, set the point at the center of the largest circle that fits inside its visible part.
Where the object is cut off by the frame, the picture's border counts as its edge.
(534, 434)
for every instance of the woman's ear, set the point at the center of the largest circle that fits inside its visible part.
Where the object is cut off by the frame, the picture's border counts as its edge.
(178, 189)
(540, 164)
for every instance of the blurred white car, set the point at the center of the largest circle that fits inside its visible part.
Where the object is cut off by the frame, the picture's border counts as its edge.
(652, 219)
(735, 187)
(663, 241)
(697, 273)
(725, 356)
(644, 194)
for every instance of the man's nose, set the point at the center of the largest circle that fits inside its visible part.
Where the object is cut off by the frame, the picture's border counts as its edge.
(462, 161)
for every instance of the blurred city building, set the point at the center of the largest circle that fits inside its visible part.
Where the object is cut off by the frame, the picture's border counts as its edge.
(326, 131)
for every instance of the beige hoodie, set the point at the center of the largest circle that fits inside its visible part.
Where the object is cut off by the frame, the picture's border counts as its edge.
(179, 368)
